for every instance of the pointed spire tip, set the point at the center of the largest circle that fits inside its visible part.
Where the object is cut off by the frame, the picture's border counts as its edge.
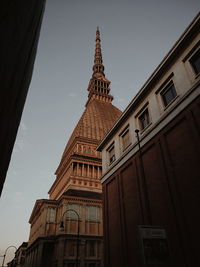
(98, 66)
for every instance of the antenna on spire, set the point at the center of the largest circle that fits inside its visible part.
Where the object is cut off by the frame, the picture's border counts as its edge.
(98, 33)
(98, 61)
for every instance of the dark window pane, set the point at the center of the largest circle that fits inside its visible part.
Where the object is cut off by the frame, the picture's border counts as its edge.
(92, 248)
(112, 154)
(71, 248)
(126, 139)
(144, 119)
(169, 95)
(195, 61)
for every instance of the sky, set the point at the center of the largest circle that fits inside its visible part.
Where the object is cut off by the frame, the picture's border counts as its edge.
(135, 37)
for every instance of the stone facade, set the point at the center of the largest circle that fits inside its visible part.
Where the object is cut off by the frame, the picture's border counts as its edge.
(19, 259)
(77, 188)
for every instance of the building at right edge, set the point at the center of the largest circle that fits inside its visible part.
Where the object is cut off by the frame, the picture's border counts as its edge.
(151, 177)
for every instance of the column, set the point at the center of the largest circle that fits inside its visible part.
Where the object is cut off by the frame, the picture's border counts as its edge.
(83, 166)
(93, 171)
(72, 171)
(88, 171)
(77, 169)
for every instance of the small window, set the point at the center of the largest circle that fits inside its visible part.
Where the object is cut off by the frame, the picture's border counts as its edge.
(92, 248)
(144, 119)
(92, 213)
(51, 215)
(71, 248)
(125, 137)
(168, 94)
(73, 208)
(111, 153)
(195, 62)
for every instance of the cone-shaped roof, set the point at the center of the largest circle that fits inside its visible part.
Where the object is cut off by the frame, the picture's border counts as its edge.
(95, 122)
(99, 114)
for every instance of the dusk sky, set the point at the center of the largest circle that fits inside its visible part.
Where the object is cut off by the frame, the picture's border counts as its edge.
(135, 37)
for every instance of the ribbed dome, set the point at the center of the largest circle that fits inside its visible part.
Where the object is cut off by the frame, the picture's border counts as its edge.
(80, 161)
(95, 122)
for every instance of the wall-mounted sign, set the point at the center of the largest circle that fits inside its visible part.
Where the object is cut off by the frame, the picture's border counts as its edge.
(154, 246)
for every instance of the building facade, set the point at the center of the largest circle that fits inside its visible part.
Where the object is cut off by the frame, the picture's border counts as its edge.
(19, 259)
(151, 168)
(75, 198)
(20, 33)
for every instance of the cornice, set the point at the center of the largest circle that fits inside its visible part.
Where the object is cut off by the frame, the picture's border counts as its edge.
(190, 33)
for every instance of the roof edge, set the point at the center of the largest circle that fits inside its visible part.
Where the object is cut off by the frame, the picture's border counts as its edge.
(144, 89)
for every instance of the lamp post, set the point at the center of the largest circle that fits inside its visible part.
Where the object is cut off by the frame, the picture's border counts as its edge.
(4, 256)
(61, 228)
(144, 186)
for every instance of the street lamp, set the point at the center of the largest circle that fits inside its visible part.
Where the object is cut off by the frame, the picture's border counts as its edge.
(144, 185)
(62, 228)
(4, 256)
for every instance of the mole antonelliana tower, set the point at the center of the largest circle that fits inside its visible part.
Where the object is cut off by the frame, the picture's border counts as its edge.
(75, 198)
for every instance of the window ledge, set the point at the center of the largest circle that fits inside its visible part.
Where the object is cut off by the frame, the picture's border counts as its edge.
(175, 98)
(143, 130)
(197, 75)
(70, 219)
(126, 147)
(92, 221)
(110, 163)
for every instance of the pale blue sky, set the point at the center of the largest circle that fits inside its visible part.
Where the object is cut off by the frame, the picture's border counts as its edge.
(135, 35)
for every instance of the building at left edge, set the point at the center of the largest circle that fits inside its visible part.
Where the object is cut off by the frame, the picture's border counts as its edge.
(19, 259)
(75, 198)
(19, 32)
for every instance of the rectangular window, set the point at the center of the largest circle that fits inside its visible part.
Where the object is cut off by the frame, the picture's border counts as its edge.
(71, 248)
(195, 62)
(111, 153)
(125, 137)
(92, 213)
(144, 119)
(74, 208)
(51, 215)
(92, 248)
(168, 94)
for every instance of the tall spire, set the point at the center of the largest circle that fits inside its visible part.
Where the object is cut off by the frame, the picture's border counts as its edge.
(98, 67)
(99, 85)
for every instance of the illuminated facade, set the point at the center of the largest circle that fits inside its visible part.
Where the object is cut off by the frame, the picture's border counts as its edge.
(77, 188)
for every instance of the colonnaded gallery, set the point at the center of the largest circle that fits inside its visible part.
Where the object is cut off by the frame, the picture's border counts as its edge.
(66, 229)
